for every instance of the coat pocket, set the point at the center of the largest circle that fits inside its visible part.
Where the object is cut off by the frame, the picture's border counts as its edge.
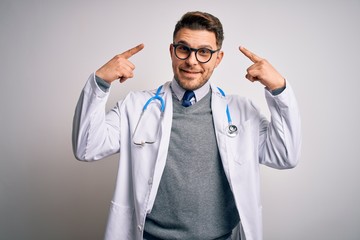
(121, 223)
(241, 147)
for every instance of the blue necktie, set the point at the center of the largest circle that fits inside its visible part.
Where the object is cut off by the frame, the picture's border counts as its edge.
(187, 97)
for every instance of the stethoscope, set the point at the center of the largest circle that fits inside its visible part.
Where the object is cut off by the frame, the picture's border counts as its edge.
(231, 129)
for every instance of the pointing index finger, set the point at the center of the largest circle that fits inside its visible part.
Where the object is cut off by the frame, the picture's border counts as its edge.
(127, 54)
(252, 56)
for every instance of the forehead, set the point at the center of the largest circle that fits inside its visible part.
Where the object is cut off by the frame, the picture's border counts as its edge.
(196, 38)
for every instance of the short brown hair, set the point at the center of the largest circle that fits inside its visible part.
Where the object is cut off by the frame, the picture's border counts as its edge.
(201, 21)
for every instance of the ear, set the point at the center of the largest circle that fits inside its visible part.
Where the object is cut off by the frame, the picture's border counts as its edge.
(219, 57)
(171, 47)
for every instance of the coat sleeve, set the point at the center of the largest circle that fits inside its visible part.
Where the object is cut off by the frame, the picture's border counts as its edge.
(280, 139)
(95, 134)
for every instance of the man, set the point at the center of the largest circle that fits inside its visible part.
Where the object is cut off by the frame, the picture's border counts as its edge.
(189, 157)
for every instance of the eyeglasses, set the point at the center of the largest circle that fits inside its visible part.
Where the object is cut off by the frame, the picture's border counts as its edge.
(203, 55)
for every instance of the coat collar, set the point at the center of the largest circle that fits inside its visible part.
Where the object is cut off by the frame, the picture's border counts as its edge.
(218, 104)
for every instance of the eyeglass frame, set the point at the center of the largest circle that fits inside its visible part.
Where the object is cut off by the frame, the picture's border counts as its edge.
(175, 45)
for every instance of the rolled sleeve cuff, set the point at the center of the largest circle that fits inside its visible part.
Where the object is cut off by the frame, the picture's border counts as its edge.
(102, 84)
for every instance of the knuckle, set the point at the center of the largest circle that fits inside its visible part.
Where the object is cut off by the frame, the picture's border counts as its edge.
(119, 57)
(263, 61)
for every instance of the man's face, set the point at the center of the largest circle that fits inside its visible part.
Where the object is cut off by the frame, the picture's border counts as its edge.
(190, 73)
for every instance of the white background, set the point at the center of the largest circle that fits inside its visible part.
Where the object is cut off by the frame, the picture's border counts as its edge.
(49, 48)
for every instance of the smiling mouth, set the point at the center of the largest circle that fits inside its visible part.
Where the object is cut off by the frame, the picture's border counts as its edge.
(190, 72)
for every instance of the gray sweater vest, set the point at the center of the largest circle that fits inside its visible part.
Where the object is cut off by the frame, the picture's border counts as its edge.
(194, 199)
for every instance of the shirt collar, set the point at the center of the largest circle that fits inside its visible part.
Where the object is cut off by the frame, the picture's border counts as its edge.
(199, 93)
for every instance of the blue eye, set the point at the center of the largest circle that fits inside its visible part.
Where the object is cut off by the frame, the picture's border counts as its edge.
(183, 48)
(204, 51)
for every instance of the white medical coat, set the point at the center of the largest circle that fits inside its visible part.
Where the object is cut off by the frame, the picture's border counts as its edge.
(97, 134)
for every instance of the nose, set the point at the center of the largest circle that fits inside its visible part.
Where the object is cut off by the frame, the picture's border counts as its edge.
(191, 60)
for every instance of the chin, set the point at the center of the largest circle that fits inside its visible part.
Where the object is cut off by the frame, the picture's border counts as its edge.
(190, 84)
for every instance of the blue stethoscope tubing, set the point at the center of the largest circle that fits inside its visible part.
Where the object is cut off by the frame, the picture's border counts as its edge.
(156, 96)
(142, 140)
(231, 129)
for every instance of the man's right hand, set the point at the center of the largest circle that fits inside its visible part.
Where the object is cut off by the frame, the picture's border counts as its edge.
(119, 67)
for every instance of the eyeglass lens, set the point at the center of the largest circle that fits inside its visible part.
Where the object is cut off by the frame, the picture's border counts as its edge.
(182, 51)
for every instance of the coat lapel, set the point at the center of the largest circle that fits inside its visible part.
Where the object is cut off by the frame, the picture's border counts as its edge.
(218, 106)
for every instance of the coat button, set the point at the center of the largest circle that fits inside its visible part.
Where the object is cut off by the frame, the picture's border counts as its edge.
(140, 228)
(150, 181)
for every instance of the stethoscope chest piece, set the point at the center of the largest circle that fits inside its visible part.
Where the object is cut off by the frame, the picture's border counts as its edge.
(231, 130)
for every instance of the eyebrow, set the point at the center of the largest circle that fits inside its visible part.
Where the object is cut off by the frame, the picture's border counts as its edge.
(201, 46)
